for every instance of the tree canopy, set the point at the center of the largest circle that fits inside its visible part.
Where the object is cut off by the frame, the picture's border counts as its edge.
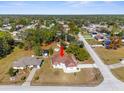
(80, 53)
(6, 43)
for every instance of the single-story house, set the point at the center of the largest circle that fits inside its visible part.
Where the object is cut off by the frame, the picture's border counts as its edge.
(99, 37)
(7, 26)
(27, 62)
(18, 27)
(65, 62)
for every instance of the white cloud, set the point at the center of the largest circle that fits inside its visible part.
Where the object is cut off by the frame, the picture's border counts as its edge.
(77, 3)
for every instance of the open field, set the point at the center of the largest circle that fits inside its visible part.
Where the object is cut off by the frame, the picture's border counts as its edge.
(119, 73)
(49, 76)
(110, 56)
(5, 65)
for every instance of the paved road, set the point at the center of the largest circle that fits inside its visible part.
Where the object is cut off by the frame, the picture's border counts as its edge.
(116, 65)
(109, 83)
(30, 77)
(109, 80)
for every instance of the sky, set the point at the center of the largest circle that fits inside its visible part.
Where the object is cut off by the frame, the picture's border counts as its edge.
(61, 7)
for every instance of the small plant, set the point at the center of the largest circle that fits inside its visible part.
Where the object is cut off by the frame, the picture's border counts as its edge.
(20, 45)
(23, 78)
(12, 72)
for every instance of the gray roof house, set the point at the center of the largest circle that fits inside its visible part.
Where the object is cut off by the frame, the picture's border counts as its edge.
(27, 62)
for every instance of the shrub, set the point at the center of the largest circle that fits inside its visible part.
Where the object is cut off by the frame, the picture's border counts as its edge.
(80, 53)
(20, 45)
(63, 44)
(37, 50)
(7, 43)
(23, 78)
(12, 72)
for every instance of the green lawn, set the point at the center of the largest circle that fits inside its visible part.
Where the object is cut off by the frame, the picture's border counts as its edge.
(88, 36)
(6, 63)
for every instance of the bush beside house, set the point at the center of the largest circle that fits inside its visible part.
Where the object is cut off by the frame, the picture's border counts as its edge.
(12, 72)
(80, 53)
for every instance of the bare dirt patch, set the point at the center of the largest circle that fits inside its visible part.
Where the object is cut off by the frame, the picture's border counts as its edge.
(110, 56)
(50, 76)
(119, 73)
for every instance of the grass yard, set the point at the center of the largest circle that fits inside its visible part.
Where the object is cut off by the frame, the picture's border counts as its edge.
(89, 61)
(110, 56)
(5, 65)
(119, 73)
(49, 76)
(93, 41)
(88, 36)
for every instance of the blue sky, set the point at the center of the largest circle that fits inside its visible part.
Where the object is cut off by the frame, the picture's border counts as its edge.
(61, 7)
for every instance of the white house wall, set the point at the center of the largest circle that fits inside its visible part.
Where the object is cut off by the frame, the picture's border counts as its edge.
(66, 69)
(18, 67)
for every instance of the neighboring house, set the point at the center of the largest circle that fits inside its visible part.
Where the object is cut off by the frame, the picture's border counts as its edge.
(30, 26)
(66, 28)
(66, 63)
(45, 27)
(7, 26)
(99, 37)
(27, 62)
(18, 27)
(51, 25)
(16, 35)
(61, 22)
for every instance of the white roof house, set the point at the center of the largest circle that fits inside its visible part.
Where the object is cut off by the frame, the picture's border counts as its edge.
(7, 26)
(27, 62)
